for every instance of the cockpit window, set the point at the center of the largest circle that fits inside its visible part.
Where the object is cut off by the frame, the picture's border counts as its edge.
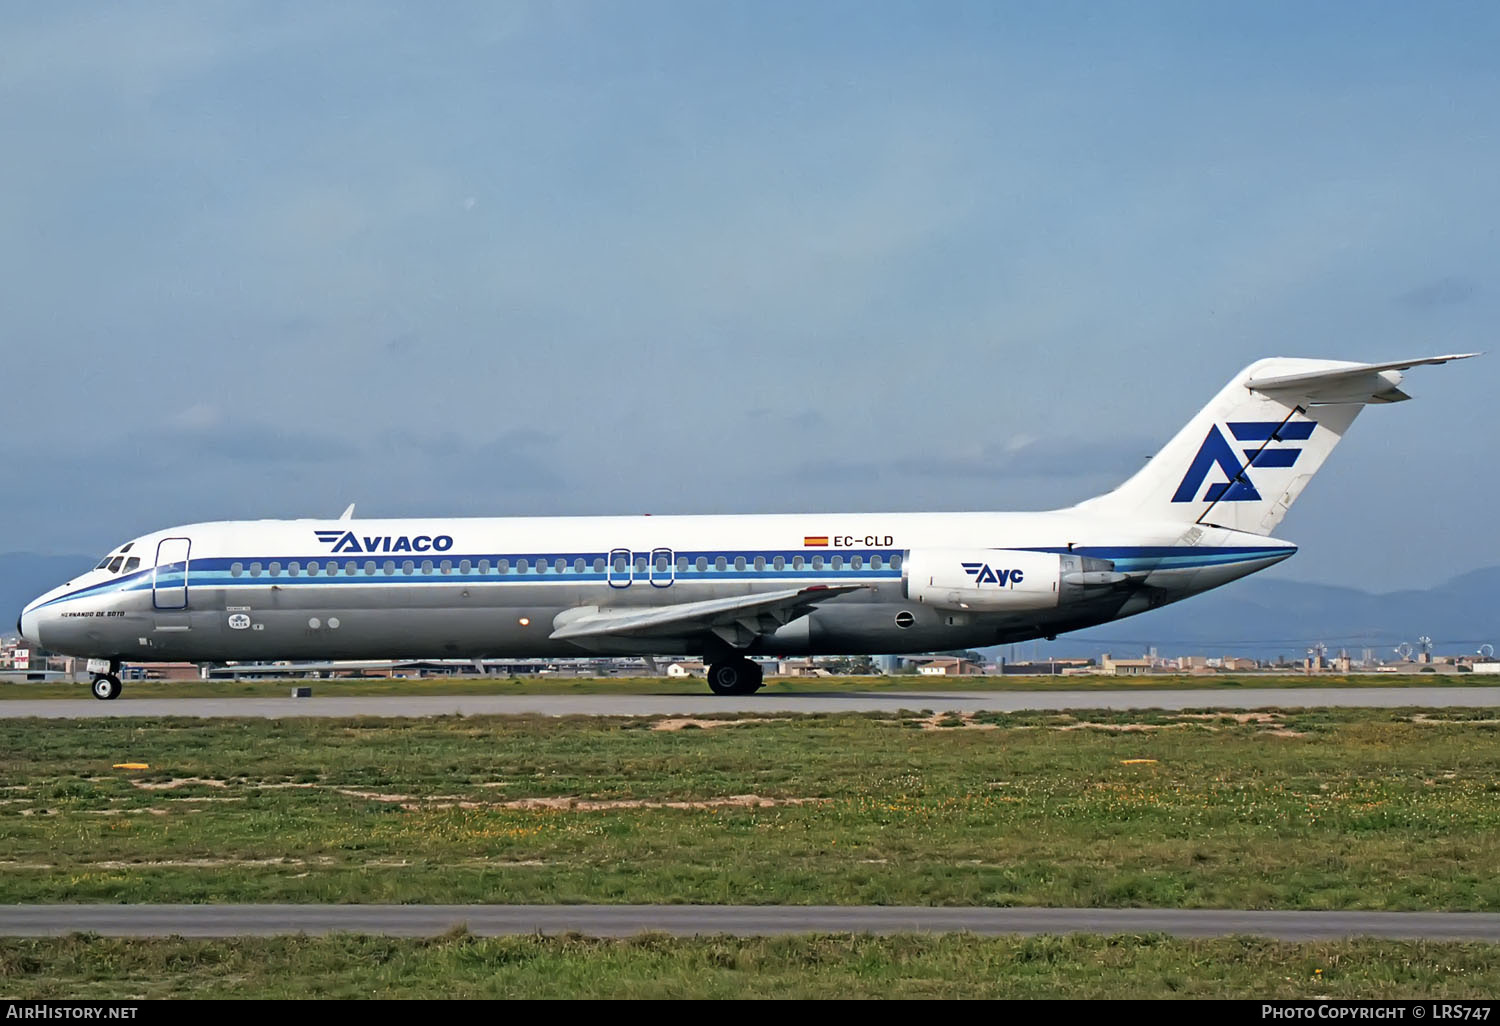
(103, 563)
(114, 564)
(132, 563)
(126, 548)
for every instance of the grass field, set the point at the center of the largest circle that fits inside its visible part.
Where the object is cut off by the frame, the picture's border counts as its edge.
(550, 685)
(460, 966)
(1389, 809)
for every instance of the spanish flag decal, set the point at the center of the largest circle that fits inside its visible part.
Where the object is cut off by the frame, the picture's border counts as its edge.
(819, 540)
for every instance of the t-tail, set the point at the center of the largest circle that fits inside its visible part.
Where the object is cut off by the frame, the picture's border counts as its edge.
(1247, 455)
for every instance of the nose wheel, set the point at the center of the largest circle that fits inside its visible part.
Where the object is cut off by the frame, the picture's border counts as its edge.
(107, 687)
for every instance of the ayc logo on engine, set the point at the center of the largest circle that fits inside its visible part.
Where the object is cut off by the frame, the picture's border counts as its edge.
(348, 541)
(1265, 450)
(982, 574)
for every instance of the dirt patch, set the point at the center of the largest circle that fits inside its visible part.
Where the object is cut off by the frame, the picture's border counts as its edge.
(575, 804)
(200, 863)
(945, 721)
(175, 782)
(681, 722)
(1284, 732)
(1121, 728)
(1436, 721)
(1244, 717)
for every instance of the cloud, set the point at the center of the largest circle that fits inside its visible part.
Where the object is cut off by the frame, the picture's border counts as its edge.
(1440, 293)
(1030, 458)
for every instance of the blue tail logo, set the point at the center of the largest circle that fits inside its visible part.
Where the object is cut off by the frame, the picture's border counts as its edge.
(1216, 451)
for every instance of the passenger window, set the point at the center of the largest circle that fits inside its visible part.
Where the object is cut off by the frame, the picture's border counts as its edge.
(274, 569)
(856, 561)
(407, 566)
(817, 562)
(598, 564)
(294, 569)
(464, 566)
(760, 562)
(640, 564)
(426, 566)
(875, 562)
(661, 564)
(701, 563)
(579, 566)
(114, 564)
(484, 566)
(132, 563)
(838, 562)
(779, 563)
(389, 567)
(369, 568)
(620, 564)
(796, 562)
(522, 566)
(446, 566)
(720, 563)
(541, 566)
(312, 569)
(254, 569)
(682, 564)
(235, 569)
(350, 568)
(502, 566)
(739, 562)
(560, 565)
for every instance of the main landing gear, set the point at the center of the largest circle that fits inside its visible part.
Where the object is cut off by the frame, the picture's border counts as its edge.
(106, 686)
(734, 677)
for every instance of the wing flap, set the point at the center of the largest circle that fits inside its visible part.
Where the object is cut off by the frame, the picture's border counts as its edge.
(754, 614)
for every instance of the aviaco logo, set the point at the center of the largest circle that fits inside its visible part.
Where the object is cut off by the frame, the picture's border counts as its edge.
(1263, 450)
(982, 574)
(348, 541)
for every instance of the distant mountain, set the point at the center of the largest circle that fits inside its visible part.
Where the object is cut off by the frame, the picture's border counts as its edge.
(1267, 617)
(24, 576)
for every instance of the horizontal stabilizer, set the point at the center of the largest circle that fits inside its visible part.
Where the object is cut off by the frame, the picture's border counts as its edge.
(1346, 382)
(755, 614)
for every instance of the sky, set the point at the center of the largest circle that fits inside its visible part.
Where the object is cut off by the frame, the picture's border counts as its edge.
(264, 260)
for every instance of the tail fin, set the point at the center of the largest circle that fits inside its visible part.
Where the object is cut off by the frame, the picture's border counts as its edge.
(1247, 455)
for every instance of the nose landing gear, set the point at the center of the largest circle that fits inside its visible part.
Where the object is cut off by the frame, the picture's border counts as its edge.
(106, 686)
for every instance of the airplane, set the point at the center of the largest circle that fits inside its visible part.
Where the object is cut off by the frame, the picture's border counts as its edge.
(1197, 515)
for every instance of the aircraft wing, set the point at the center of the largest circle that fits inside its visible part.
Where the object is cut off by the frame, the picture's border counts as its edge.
(738, 619)
(1347, 382)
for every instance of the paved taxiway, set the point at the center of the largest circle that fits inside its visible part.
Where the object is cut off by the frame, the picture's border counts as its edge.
(765, 702)
(740, 920)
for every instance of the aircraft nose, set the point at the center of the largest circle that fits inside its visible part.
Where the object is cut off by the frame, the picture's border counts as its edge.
(29, 626)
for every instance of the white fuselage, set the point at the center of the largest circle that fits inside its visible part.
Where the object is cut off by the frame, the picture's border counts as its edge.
(471, 588)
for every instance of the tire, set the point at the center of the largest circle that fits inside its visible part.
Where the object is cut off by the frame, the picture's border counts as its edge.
(107, 688)
(734, 677)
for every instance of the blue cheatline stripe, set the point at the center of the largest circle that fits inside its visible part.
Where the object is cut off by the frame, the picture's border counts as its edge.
(1265, 430)
(216, 572)
(1135, 558)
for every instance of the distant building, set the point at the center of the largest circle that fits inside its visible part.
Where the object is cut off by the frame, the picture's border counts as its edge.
(1108, 664)
(949, 666)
